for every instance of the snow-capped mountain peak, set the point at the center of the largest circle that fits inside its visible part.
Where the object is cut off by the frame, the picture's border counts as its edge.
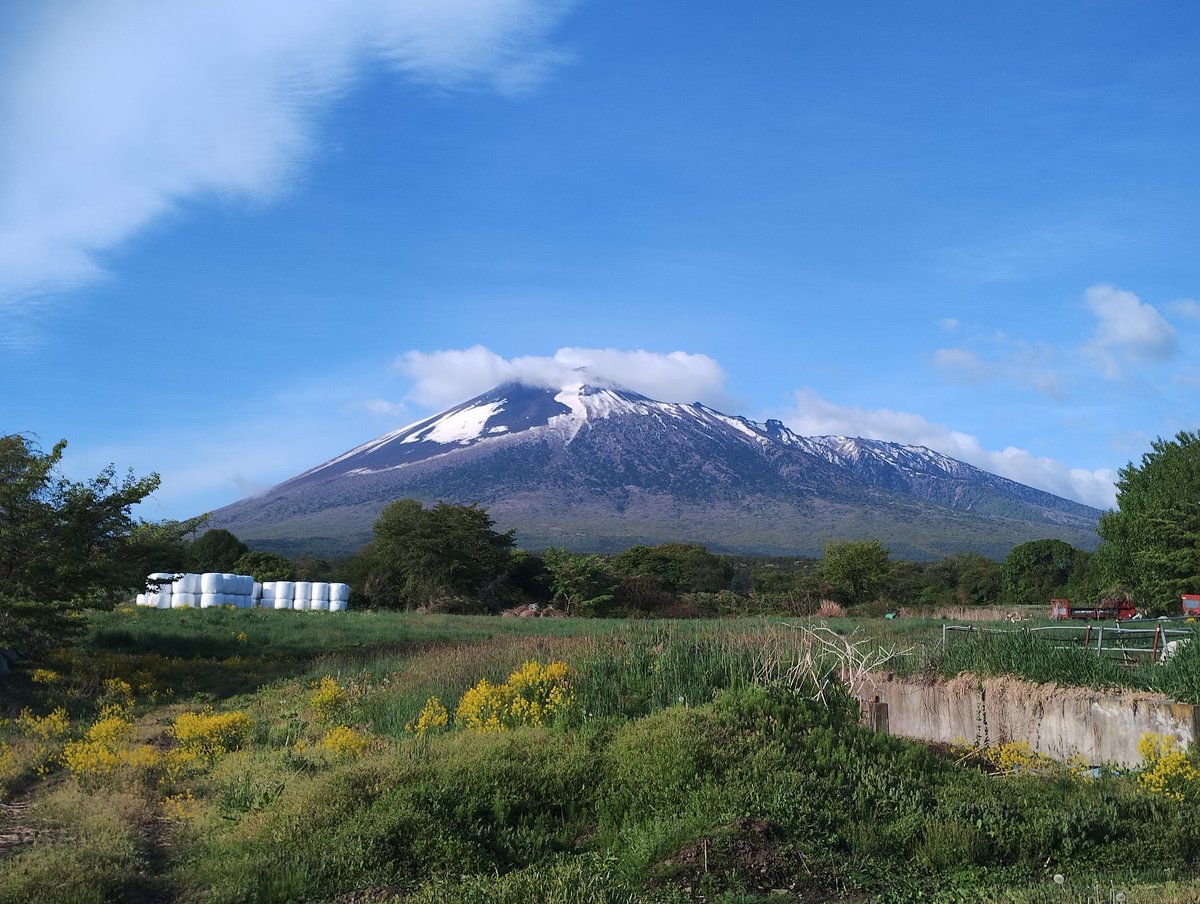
(594, 460)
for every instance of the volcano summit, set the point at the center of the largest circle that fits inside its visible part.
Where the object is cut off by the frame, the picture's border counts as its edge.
(594, 467)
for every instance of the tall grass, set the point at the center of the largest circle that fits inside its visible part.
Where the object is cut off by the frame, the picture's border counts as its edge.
(1039, 659)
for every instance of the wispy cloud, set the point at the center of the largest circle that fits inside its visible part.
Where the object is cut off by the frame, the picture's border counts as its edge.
(815, 416)
(116, 111)
(1128, 334)
(1129, 331)
(1185, 307)
(446, 377)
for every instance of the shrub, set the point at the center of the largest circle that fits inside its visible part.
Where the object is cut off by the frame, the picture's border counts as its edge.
(533, 695)
(341, 742)
(1167, 771)
(203, 737)
(432, 718)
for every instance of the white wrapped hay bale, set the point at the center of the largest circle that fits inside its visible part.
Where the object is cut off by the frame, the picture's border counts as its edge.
(184, 600)
(320, 597)
(267, 600)
(209, 600)
(339, 597)
(283, 592)
(141, 599)
(303, 598)
(212, 582)
(162, 599)
(257, 595)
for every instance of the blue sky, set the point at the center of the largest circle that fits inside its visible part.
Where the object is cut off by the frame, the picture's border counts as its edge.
(238, 238)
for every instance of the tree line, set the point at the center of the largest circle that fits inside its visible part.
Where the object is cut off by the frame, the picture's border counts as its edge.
(66, 545)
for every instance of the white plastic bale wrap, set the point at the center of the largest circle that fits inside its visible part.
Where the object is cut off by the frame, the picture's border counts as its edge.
(212, 582)
(284, 592)
(339, 597)
(257, 593)
(183, 600)
(319, 597)
(302, 601)
(208, 600)
(141, 599)
(162, 599)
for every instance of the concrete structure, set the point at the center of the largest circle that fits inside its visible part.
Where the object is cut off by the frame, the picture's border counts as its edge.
(1058, 722)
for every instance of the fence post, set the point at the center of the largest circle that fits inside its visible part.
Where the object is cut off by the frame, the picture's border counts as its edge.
(877, 716)
(1100, 640)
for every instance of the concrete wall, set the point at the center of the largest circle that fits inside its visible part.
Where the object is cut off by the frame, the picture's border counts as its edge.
(1057, 722)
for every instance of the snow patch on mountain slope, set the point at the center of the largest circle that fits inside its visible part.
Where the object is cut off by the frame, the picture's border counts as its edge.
(458, 427)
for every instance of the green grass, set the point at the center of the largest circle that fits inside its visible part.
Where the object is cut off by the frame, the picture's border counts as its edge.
(1040, 659)
(714, 761)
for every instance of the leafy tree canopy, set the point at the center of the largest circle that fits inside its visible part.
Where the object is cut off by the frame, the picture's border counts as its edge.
(1151, 542)
(682, 567)
(579, 582)
(422, 554)
(217, 550)
(265, 566)
(858, 568)
(66, 545)
(1033, 573)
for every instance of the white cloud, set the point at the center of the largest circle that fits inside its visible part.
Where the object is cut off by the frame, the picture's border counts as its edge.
(1129, 332)
(446, 377)
(965, 365)
(379, 407)
(116, 111)
(813, 416)
(1185, 307)
(949, 324)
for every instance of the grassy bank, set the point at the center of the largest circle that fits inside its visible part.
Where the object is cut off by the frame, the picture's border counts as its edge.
(223, 755)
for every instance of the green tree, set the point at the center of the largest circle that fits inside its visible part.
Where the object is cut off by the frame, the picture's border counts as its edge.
(1151, 542)
(1033, 573)
(682, 567)
(265, 566)
(857, 568)
(579, 582)
(67, 545)
(422, 554)
(216, 550)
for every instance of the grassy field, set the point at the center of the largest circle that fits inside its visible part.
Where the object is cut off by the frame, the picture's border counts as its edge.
(235, 756)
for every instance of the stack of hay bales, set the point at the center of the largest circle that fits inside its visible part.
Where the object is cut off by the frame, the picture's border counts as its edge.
(166, 590)
(320, 597)
(185, 592)
(339, 597)
(303, 598)
(158, 590)
(224, 589)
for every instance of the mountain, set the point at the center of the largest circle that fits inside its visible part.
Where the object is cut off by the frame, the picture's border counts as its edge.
(600, 468)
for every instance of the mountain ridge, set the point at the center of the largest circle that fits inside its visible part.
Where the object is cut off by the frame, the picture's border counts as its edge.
(597, 467)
